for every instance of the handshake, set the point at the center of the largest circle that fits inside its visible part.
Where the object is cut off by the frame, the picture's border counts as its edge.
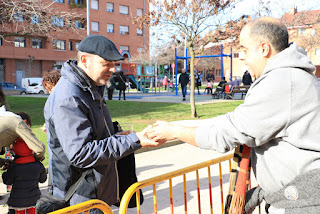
(156, 134)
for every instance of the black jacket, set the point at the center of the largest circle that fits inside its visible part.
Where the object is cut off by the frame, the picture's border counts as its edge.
(24, 179)
(184, 79)
(121, 82)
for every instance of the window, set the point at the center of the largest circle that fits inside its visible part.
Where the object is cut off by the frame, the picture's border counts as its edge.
(124, 48)
(57, 21)
(139, 32)
(77, 2)
(59, 44)
(35, 20)
(95, 4)
(124, 30)
(58, 1)
(70, 46)
(139, 50)
(218, 72)
(36, 43)
(18, 17)
(317, 51)
(110, 7)
(19, 42)
(110, 28)
(124, 10)
(77, 45)
(95, 26)
(139, 12)
(236, 55)
(79, 24)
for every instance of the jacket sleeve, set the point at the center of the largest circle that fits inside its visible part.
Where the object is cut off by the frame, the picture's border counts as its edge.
(30, 139)
(263, 116)
(75, 134)
(43, 173)
(8, 176)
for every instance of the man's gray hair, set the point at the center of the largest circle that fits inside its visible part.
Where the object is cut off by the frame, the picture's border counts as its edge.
(271, 30)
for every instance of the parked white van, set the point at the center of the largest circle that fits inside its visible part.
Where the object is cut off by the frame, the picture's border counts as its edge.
(25, 82)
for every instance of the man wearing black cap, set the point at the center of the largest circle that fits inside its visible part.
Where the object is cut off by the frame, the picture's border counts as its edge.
(80, 132)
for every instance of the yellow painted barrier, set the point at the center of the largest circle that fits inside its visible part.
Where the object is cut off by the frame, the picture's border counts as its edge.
(85, 207)
(134, 188)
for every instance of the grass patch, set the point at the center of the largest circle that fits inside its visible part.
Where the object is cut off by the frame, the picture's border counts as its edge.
(141, 114)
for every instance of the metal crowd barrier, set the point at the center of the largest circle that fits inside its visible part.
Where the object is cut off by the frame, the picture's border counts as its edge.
(85, 207)
(134, 188)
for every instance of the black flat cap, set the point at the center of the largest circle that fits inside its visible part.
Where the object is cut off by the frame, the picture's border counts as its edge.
(101, 46)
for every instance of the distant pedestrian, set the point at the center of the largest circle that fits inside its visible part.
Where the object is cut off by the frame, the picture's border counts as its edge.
(246, 78)
(184, 80)
(198, 78)
(111, 85)
(165, 82)
(210, 76)
(121, 85)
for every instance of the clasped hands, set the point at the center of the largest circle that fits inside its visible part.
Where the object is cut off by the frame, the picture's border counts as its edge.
(156, 134)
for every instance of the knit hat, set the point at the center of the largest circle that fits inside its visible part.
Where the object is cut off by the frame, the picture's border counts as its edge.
(23, 153)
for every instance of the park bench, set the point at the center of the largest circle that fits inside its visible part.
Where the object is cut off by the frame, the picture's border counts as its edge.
(237, 90)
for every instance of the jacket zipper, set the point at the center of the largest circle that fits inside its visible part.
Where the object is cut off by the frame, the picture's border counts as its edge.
(115, 163)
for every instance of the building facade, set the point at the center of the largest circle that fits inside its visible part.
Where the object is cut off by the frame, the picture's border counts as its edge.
(31, 56)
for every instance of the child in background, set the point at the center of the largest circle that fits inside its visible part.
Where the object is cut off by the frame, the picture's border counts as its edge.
(24, 175)
(209, 86)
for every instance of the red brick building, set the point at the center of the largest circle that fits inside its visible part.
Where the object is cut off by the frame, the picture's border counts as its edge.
(30, 56)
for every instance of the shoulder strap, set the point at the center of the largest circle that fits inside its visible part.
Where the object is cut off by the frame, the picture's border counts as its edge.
(75, 186)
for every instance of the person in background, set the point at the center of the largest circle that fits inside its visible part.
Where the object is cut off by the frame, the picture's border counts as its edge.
(246, 78)
(50, 79)
(210, 76)
(198, 79)
(111, 85)
(209, 87)
(24, 175)
(165, 82)
(183, 81)
(121, 85)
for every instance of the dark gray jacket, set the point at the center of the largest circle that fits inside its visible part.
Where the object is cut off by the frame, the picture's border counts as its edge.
(78, 139)
(24, 179)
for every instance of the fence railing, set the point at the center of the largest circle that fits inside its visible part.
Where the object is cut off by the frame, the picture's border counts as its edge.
(134, 188)
(85, 207)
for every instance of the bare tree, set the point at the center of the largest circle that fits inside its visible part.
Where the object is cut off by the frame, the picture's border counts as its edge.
(35, 17)
(187, 19)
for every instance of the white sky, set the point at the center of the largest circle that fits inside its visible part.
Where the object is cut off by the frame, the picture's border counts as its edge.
(246, 7)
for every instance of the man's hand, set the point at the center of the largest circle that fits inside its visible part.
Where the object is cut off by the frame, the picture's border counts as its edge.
(161, 131)
(145, 141)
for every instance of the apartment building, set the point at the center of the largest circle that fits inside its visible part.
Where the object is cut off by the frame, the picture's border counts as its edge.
(31, 56)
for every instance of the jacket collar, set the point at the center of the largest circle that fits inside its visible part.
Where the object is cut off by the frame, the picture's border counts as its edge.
(83, 81)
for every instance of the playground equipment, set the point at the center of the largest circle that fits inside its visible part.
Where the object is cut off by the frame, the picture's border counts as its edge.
(221, 55)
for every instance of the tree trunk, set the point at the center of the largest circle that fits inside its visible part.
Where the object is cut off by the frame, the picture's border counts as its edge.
(192, 86)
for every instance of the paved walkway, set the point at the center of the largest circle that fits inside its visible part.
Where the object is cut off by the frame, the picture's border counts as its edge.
(163, 96)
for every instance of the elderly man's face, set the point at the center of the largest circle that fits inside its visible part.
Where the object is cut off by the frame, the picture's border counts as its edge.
(100, 70)
(251, 52)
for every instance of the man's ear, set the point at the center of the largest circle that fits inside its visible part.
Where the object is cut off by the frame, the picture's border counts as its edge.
(84, 60)
(265, 49)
